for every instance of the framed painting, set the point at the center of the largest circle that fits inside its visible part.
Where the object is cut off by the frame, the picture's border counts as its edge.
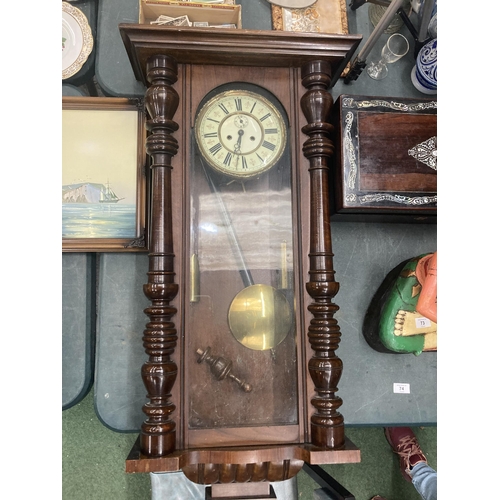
(104, 175)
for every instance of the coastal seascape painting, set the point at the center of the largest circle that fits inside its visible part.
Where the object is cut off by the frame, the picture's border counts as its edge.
(103, 175)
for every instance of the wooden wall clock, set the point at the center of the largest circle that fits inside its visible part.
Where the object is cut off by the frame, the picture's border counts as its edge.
(242, 372)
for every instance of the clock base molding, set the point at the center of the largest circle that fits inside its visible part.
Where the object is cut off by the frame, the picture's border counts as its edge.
(246, 463)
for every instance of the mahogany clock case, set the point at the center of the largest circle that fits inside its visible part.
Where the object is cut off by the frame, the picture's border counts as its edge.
(296, 419)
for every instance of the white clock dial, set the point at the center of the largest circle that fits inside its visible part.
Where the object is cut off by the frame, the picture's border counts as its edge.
(240, 133)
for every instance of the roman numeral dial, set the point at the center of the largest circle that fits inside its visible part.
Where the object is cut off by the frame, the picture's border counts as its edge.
(240, 133)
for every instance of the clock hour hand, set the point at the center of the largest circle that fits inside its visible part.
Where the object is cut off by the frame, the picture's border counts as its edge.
(237, 146)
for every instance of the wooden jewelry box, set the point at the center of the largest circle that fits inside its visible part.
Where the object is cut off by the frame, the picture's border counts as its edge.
(386, 159)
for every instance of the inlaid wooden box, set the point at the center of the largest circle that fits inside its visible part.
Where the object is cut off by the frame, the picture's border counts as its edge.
(386, 159)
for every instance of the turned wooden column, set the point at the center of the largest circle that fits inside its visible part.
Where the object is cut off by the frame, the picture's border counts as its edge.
(160, 336)
(325, 368)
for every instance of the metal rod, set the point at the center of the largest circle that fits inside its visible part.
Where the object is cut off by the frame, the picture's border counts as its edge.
(381, 26)
(427, 7)
(402, 14)
(326, 481)
(246, 276)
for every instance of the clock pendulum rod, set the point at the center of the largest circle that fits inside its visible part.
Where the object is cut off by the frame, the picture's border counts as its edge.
(245, 273)
(259, 328)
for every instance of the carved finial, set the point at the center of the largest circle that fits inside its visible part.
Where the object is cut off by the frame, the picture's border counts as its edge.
(221, 368)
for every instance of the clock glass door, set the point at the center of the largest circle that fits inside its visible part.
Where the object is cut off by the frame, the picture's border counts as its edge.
(240, 324)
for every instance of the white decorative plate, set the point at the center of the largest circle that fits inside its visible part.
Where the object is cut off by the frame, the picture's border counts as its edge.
(77, 40)
(292, 4)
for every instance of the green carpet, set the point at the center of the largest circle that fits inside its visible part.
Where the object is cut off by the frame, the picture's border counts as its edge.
(93, 458)
(93, 462)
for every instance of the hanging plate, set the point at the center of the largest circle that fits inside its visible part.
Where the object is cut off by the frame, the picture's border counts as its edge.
(293, 4)
(77, 40)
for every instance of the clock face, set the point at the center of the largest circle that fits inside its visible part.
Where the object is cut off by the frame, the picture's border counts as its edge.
(240, 133)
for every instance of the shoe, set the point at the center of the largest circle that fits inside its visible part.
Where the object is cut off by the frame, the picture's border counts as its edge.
(404, 443)
(377, 497)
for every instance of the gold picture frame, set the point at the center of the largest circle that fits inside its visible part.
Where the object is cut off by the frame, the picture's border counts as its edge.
(104, 175)
(324, 16)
